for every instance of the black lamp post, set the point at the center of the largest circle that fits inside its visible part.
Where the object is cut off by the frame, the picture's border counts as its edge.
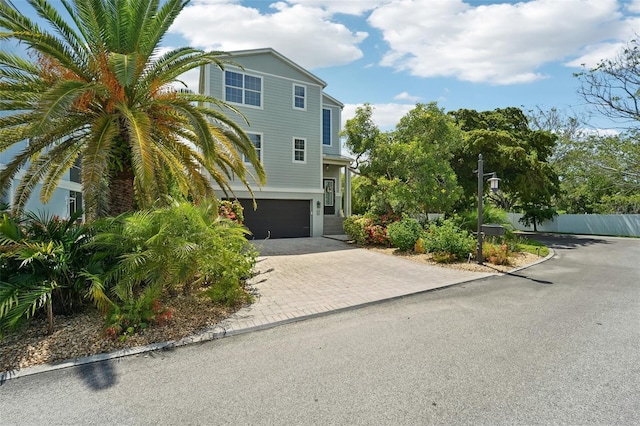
(493, 181)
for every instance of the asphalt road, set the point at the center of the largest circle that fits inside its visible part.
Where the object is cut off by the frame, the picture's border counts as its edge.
(557, 343)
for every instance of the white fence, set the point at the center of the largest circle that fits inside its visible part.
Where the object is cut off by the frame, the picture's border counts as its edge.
(589, 224)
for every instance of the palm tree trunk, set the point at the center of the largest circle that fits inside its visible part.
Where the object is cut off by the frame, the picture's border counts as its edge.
(49, 315)
(121, 195)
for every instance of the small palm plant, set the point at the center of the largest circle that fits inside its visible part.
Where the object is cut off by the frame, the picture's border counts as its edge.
(44, 266)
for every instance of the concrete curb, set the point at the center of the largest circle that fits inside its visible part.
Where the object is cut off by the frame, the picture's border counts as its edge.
(219, 332)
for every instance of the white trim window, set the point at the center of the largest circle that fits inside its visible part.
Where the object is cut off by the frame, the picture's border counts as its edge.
(326, 126)
(299, 97)
(299, 150)
(242, 89)
(256, 138)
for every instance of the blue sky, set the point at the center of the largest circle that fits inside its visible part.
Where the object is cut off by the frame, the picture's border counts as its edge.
(476, 54)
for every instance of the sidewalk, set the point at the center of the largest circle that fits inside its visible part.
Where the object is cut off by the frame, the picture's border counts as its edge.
(302, 278)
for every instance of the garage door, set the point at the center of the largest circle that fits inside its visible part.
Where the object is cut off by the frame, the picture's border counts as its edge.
(278, 218)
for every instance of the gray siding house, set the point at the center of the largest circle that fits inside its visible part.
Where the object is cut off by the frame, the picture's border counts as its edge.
(66, 199)
(295, 127)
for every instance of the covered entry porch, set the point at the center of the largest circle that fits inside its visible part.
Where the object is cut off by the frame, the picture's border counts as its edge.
(336, 183)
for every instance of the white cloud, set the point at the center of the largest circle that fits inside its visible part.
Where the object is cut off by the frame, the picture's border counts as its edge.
(386, 116)
(405, 96)
(305, 34)
(595, 53)
(357, 7)
(633, 6)
(497, 43)
(190, 79)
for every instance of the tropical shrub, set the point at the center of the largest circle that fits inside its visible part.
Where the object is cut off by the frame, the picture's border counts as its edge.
(404, 233)
(177, 248)
(468, 220)
(448, 242)
(354, 227)
(45, 266)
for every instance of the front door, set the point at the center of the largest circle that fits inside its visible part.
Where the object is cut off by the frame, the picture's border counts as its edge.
(329, 196)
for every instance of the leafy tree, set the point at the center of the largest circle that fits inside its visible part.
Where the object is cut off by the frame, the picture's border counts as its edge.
(99, 90)
(613, 86)
(600, 174)
(519, 155)
(407, 170)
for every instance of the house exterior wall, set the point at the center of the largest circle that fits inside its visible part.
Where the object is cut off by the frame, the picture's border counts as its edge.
(335, 115)
(279, 122)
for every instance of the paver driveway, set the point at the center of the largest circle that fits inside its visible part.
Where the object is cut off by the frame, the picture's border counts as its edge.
(306, 277)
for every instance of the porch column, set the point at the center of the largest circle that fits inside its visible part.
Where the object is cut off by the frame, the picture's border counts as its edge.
(347, 191)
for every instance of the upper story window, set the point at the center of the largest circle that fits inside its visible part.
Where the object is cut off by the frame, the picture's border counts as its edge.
(299, 96)
(326, 126)
(74, 171)
(242, 88)
(256, 138)
(299, 150)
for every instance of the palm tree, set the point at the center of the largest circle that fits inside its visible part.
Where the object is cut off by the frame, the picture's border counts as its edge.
(97, 88)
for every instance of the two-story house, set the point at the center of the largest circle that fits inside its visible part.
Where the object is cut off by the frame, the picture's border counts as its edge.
(295, 127)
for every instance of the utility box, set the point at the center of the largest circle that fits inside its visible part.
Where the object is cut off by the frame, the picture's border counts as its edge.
(493, 229)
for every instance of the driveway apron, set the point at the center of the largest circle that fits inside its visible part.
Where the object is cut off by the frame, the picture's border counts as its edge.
(299, 278)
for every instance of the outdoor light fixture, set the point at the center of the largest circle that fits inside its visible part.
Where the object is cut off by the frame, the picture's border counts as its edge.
(318, 204)
(493, 181)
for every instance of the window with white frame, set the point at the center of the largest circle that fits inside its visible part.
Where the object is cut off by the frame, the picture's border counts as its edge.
(256, 139)
(326, 126)
(299, 96)
(299, 150)
(75, 202)
(242, 88)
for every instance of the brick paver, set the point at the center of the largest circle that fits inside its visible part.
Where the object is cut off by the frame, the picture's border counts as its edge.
(306, 277)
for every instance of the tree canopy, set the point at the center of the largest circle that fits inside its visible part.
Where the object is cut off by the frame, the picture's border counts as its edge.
(98, 90)
(406, 170)
(516, 153)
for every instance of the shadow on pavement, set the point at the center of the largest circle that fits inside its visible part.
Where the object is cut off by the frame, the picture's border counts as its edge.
(535, 280)
(296, 246)
(97, 375)
(564, 241)
(511, 274)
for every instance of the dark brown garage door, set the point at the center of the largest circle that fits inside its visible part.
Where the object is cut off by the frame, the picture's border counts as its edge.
(278, 218)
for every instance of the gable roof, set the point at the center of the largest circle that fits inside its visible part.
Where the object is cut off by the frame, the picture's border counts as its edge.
(270, 51)
(331, 99)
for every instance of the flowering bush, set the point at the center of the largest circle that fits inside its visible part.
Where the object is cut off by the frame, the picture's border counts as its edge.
(369, 229)
(231, 210)
(376, 235)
